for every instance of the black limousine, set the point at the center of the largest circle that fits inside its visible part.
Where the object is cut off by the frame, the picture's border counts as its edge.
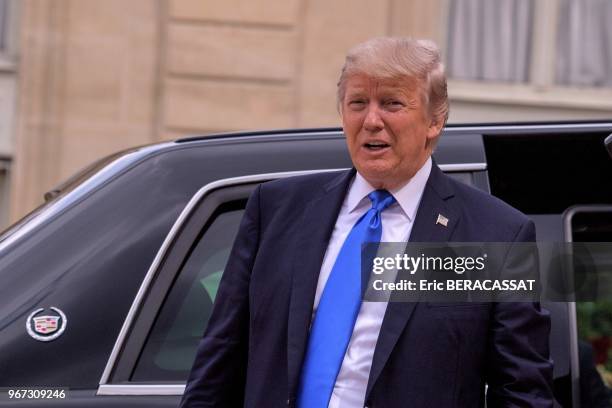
(107, 286)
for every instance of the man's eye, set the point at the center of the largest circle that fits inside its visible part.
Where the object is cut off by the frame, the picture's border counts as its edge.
(357, 104)
(393, 105)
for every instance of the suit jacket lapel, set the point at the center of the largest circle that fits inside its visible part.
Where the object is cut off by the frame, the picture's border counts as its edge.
(317, 225)
(436, 200)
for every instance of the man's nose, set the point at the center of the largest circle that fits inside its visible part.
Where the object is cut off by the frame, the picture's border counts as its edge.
(373, 121)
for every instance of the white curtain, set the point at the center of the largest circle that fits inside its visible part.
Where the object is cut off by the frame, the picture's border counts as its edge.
(584, 43)
(490, 40)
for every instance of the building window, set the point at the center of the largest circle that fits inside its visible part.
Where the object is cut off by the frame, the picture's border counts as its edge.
(542, 43)
(8, 90)
(490, 41)
(584, 45)
(3, 18)
(9, 16)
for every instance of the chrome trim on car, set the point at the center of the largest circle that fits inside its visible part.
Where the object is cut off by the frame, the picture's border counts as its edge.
(141, 389)
(604, 126)
(451, 168)
(137, 389)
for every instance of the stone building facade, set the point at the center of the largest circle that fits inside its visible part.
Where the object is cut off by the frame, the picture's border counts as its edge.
(93, 77)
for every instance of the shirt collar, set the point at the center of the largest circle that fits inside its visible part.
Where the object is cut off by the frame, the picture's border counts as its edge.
(407, 196)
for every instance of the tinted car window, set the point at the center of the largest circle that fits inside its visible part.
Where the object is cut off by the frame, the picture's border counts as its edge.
(595, 318)
(170, 348)
(45, 211)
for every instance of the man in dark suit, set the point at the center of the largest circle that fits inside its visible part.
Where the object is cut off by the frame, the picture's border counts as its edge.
(278, 333)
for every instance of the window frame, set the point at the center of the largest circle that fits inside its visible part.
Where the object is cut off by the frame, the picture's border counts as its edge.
(199, 220)
(177, 278)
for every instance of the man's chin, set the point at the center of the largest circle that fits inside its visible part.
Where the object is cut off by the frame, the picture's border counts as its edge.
(378, 177)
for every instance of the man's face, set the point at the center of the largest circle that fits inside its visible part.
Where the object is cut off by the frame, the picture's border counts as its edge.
(388, 130)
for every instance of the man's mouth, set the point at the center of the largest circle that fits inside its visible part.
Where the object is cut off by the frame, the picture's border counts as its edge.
(374, 146)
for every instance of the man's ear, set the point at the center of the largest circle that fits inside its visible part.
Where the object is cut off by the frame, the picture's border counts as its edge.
(435, 127)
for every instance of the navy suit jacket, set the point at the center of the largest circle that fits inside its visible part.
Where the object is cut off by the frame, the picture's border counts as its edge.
(427, 355)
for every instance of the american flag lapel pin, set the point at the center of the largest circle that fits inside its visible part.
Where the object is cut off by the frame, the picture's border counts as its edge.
(442, 220)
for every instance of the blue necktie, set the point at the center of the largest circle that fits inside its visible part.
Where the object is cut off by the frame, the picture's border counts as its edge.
(338, 308)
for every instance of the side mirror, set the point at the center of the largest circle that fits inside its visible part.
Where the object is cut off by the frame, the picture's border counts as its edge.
(608, 143)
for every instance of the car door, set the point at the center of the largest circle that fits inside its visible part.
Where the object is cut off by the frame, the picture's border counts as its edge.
(157, 345)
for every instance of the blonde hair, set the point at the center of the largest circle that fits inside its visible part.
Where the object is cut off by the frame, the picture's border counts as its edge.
(400, 58)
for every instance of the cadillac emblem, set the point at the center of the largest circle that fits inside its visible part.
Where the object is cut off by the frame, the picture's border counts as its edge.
(48, 326)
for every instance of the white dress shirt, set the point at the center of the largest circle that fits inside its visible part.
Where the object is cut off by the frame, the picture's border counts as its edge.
(397, 220)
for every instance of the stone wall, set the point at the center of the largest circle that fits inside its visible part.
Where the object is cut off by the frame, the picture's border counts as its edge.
(99, 76)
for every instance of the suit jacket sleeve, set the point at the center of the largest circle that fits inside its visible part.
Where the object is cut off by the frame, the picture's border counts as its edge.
(218, 376)
(519, 372)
